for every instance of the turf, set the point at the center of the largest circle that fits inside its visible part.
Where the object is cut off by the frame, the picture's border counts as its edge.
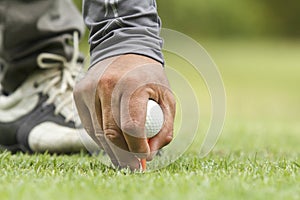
(257, 156)
(237, 175)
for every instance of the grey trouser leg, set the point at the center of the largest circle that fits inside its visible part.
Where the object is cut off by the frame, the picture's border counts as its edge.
(121, 27)
(31, 27)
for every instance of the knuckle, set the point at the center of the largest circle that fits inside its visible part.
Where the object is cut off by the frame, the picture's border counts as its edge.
(131, 128)
(168, 134)
(171, 97)
(168, 139)
(107, 82)
(112, 134)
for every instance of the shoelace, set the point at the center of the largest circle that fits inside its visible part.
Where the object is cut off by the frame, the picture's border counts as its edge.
(59, 81)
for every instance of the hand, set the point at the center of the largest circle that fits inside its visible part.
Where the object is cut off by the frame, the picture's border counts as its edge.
(111, 101)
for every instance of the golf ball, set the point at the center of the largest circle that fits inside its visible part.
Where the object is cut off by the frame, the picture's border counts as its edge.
(154, 119)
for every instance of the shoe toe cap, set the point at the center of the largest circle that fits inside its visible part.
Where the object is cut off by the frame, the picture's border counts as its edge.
(54, 138)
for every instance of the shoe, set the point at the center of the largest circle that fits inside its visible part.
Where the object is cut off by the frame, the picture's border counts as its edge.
(38, 116)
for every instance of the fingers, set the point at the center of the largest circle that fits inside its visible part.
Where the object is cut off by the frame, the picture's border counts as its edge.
(113, 135)
(132, 121)
(84, 114)
(165, 136)
(133, 116)
(117, 104)
(90, 113)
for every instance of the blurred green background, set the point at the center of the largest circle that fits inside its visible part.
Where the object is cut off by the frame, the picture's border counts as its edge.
(256, 45)
(231, 18)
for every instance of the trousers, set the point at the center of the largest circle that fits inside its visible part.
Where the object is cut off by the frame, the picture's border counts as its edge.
(31, 27)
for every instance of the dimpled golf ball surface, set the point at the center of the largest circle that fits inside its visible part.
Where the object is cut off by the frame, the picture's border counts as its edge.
(154, 119)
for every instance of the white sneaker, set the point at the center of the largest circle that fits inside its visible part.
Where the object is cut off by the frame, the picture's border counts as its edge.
(38, 116)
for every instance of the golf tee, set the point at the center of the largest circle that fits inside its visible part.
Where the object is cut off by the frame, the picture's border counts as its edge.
(144, 161)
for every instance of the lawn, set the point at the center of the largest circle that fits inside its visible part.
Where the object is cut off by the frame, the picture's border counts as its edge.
(256, 157)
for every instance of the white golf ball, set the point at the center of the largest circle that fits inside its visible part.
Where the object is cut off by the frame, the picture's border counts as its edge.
(154, 119)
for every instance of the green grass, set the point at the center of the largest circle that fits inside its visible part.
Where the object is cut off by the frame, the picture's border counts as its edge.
(257, 156)
(236, 175)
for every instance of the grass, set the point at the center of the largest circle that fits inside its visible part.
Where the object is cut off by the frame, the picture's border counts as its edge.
(257, 156)
(236, 175)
